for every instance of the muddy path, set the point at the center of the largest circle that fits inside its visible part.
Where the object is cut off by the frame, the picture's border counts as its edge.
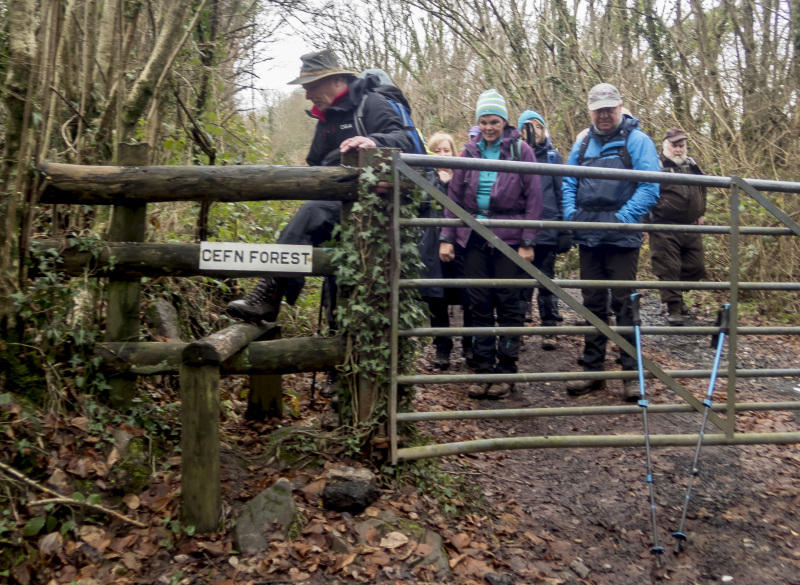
(583, 515)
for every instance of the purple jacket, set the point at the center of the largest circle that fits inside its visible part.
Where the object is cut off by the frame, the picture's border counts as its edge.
(513, 196)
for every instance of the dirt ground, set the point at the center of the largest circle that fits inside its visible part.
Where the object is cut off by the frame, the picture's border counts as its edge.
(583, 515)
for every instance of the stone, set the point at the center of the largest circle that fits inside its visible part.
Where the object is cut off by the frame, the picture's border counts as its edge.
(349, 496)
(579, 568)
(437, 559)
(496, 579)
(273, 508)
(345, 473)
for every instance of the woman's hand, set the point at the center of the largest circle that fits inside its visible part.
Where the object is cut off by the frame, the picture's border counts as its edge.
(447, 252)
(525, 251)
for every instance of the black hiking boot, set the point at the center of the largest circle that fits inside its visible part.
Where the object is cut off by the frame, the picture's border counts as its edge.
(262, 304)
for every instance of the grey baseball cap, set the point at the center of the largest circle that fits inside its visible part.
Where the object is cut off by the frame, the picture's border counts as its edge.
(604, 95)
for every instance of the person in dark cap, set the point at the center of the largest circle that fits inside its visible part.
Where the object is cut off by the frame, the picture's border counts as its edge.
(336, 93)
(614, 141)
(676, 255)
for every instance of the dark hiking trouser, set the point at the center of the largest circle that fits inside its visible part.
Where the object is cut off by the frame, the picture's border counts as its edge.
(544, 258)
(312, 225)
(677, 256)
(606, 262)
(440, 317)
(493, 354)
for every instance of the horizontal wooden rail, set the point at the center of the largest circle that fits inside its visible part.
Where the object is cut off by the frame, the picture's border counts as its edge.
(99, 185)
(281, 356)
(137, 259)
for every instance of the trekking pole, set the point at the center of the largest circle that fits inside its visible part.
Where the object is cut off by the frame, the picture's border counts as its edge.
(723, 318)
(637, 322)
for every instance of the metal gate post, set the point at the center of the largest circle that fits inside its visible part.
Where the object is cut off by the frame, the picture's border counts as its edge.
(396, 263)
(733, 336)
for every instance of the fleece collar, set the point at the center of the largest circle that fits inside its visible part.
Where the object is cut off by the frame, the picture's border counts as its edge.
(336, 101)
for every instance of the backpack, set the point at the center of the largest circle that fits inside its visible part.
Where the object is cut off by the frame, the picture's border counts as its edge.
(623, 153)
(416, 138)
(514, 150)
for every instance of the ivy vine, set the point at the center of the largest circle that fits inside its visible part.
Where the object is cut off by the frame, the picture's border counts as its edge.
(363, 274)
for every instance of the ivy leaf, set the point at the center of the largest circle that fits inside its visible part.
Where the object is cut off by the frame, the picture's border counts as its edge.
(34, 526)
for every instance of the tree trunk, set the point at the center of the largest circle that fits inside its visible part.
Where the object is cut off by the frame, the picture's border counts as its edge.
(18, 88)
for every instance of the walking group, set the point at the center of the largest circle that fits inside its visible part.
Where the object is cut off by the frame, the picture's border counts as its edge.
(366, 110)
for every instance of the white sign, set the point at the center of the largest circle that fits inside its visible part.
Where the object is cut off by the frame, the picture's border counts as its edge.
(255, 257)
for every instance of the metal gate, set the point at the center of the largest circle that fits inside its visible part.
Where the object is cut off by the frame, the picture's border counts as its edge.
(402, 167)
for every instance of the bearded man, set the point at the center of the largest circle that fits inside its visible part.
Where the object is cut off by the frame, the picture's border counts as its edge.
(675, 255)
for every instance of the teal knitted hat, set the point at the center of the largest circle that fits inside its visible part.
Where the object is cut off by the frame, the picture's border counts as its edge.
(530, 115)
(491, 103)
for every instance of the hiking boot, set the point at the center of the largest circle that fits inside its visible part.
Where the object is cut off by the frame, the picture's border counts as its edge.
(477, 390)
(549, 342)
(674, 316)
(685, 309)
(581, 387)
(528, 313)
(499, 390)
(442, 360)
(630, 390)
(262, 304)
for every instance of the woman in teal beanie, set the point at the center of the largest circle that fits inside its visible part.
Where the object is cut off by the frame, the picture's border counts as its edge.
(489, 194)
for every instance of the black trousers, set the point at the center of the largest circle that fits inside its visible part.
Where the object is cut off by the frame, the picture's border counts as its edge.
(607, 262)
(544, 258)
(312, 225)
(490, 305)
(677, 256)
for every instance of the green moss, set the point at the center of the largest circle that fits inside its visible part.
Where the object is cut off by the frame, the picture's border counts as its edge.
(135, 466)
(410, 528)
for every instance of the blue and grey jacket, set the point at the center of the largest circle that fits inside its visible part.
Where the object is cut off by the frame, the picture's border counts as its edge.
(610, 200)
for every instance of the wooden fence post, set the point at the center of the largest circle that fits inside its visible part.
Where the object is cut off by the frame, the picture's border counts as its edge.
(200, 466)
(266, 390)
(122, 315)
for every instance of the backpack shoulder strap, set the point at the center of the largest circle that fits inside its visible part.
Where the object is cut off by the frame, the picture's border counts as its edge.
(624, 154)
(551, 156)
(582, 151)
(515, 148)
(359, 117)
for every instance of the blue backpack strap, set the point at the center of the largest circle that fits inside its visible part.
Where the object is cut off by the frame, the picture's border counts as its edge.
(552, 156)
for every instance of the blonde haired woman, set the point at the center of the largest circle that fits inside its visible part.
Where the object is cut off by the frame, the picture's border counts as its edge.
(439, 298)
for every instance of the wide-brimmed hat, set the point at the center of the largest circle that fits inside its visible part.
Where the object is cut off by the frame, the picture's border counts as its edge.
(604, 95)
(319, 65)
(675, 135)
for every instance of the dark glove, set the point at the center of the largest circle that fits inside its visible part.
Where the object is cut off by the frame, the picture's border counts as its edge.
(564, 242)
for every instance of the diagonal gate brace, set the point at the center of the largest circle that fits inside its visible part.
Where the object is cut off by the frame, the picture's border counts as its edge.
(723, 424)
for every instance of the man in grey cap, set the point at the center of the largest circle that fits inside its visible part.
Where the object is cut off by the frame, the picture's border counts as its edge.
(614, 141)
(676, 255)
(336, 94)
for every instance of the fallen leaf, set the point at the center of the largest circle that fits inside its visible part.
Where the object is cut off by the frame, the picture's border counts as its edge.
(132, 501)
(342, 561)
(113, 457)
(314, 489)
(131, 561)
(460, 541)
(394, 540)
(95, 537)
(51, 544)
(81, 423)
